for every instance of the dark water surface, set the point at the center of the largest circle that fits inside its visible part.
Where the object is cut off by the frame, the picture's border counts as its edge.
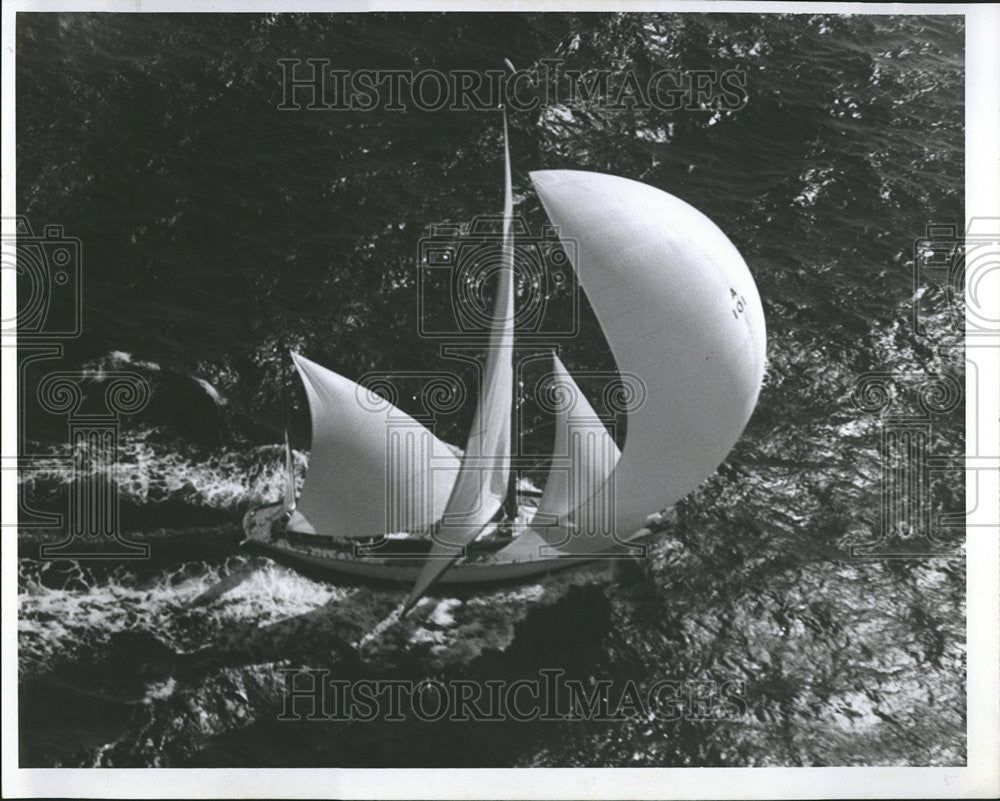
(218, 231)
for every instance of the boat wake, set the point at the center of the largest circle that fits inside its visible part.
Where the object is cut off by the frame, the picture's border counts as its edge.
(67, 608)
(130, 668)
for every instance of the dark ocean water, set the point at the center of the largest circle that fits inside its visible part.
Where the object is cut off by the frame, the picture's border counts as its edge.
(217, 231)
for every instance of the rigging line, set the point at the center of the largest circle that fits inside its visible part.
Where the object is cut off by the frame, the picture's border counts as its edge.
(379, 627)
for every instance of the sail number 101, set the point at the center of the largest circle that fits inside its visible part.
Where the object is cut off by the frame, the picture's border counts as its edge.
(739, 303)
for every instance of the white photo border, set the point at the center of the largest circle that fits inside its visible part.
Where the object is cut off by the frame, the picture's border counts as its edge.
(979, 778)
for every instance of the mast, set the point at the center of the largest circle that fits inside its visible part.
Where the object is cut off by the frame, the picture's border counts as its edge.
(289, 475)
(511, 507)
(482, 485)
(289, 496)
(510, 504)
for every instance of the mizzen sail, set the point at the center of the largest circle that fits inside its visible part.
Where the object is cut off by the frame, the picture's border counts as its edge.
(481, 485)
(373, 469)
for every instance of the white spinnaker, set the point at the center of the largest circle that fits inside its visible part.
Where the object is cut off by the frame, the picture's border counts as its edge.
(584, 454)
(373, 469)
(679, 309)
(481, 486)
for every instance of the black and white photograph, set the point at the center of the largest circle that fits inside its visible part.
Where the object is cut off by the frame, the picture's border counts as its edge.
(588, 386)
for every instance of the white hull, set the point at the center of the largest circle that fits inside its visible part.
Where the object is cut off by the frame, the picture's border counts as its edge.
(339, 558)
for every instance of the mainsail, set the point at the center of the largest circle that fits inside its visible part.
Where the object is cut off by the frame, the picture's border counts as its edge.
(481, 486)
(373, 469)
(680, 310)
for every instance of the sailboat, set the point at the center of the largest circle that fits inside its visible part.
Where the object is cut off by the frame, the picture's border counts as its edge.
(384, 498)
